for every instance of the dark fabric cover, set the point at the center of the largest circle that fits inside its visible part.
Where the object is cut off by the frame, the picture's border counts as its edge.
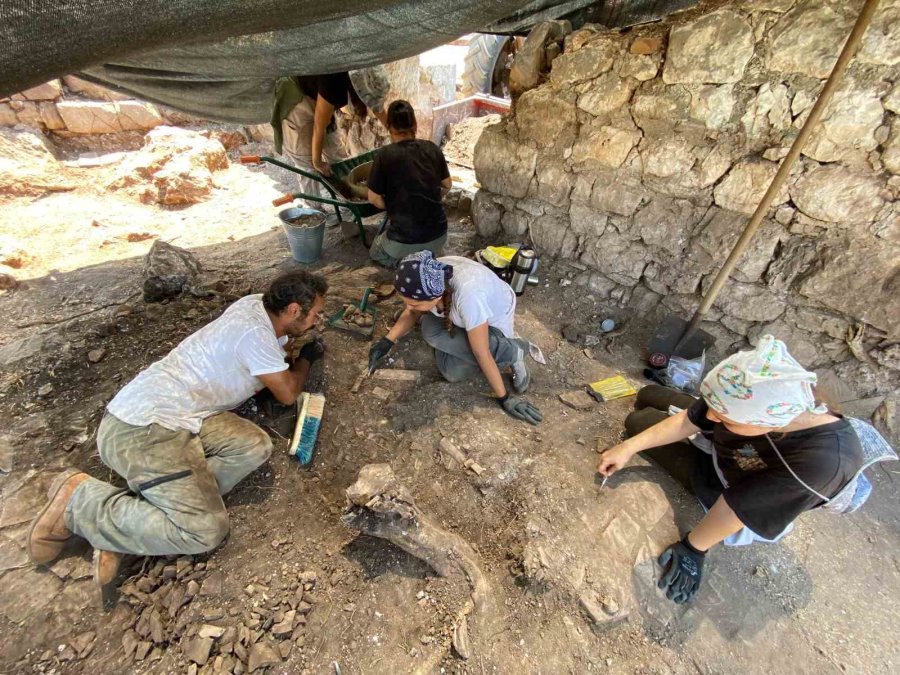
(219, 59)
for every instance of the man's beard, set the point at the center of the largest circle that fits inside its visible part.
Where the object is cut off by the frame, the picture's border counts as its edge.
(295, 328)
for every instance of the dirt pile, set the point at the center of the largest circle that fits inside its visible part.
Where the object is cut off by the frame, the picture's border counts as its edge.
(459, 146)
(175, 167)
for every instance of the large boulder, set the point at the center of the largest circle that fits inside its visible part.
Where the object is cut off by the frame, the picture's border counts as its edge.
(859, 276)
(174, 167)
(168, 271)
(837, 194)
(712, 49)
(501, 164)
(808, 38)
(27, 163)
(108, 117)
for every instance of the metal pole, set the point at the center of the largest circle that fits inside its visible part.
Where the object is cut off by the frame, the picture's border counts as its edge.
(850, 47)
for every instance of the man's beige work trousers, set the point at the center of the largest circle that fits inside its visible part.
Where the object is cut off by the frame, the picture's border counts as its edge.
(176, 479)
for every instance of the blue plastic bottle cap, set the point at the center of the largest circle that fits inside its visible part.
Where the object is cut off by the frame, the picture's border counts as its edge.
(607, 325)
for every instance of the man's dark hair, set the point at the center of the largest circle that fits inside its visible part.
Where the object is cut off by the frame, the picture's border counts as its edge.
(301, 287)
(401, 116)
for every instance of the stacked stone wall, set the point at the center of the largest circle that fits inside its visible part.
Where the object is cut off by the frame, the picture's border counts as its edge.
(642, 154)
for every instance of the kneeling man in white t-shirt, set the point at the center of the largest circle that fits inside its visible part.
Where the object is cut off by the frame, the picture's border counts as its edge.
(169, 435)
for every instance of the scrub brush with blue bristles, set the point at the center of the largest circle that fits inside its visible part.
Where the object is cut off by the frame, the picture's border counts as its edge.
(309, 419)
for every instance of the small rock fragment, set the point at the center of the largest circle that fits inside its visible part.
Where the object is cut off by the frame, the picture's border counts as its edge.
(141, 650)
(197, 650)
(96, 355)
(210, 631)
(262, 654)
(578, 399)
(45, 390)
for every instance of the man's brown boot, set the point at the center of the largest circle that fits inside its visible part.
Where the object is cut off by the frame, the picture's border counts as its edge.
(106, 570)
(48, 534)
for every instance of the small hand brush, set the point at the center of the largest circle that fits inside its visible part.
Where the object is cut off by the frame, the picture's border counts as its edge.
(312, 406)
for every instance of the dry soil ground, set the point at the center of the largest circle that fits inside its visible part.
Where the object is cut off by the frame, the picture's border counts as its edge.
(292, 587)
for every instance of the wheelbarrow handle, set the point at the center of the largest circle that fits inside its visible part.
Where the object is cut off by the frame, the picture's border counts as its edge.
(251, 159)
(283, 199)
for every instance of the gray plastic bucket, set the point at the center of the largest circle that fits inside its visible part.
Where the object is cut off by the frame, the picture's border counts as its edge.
(305, 242)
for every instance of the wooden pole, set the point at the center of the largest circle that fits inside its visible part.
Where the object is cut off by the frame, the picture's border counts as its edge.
(847, 53)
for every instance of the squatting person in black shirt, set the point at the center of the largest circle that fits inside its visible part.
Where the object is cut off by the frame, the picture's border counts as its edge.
(763, 451)
(406, 180)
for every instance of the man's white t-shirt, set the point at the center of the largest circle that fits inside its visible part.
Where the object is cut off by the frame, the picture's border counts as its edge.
(479, 296)
(214, 369)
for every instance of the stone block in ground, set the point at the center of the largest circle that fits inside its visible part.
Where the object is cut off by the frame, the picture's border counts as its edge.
(577, 399)
(712, 49)
(857, 276)
(25, 593)
(168, 270)
(502, 165)
(96, 117)
(639, 66)
(838, 194)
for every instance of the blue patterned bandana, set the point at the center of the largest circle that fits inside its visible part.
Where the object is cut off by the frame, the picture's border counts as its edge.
(421, 277)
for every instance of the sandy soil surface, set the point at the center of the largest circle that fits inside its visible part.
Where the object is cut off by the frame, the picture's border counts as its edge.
(294, 590)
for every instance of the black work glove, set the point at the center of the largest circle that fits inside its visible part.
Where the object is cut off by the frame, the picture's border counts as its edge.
(682, 571)
(520, 409)
(378, 351)
(312, 351)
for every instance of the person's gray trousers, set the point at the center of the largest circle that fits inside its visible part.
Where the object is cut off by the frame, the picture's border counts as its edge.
(176, 479)
(453, 354)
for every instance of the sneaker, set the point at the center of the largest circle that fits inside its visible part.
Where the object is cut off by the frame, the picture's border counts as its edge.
(520, 377)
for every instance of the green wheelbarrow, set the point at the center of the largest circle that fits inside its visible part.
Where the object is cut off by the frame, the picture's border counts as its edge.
(339, 170)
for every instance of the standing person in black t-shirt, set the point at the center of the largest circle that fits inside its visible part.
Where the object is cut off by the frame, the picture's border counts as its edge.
(303, 117)
(760, 432)
(406, 181)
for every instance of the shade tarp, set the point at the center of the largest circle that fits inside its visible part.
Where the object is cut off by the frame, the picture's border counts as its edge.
(218, 59)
